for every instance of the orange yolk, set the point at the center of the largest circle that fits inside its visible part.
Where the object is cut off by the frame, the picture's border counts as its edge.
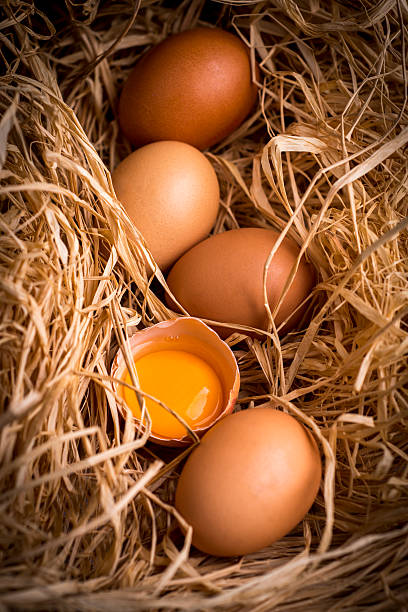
(182, 381)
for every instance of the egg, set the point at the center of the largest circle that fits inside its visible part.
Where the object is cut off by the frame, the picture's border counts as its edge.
(194, 86)
(221, 279)
(188, 377)
(171, 193)
(252, 478)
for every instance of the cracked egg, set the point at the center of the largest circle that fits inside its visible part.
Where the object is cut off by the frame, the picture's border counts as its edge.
(187, 376)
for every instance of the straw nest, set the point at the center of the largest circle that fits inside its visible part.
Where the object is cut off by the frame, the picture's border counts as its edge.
(86, 506)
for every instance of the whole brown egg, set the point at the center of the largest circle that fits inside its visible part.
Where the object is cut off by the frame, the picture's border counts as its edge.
(252, 478)
(194, 86)
(221, 279)
(170, 192)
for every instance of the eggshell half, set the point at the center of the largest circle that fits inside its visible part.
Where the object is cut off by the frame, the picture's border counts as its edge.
(249, 482)
(191, 335)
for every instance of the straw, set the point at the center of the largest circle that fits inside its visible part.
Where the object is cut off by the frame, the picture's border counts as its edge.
(87, 517)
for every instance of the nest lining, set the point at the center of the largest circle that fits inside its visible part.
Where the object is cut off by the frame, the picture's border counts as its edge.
(87, 517)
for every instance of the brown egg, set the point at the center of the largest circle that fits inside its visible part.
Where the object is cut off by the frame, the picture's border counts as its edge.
(221, 279)
(170, 191)
(250, 481)
(194, 86)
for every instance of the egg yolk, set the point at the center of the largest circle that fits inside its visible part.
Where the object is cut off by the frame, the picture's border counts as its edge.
(182, 381)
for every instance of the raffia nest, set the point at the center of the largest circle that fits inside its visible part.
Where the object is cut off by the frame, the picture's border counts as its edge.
(86, 506)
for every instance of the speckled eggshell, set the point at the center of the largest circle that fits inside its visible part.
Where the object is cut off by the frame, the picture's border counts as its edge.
(194, 86)
(170, 192)
(250, 481)
(221, 279)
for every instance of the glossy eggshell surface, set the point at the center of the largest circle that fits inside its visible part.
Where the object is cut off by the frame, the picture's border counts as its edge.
(250, 481)
(170, 192)
(221, 278)
(194, 86)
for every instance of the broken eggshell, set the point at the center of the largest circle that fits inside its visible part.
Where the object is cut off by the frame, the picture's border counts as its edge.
(184, 334)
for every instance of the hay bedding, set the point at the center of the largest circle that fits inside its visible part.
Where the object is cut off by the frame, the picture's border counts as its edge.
(86, 514)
